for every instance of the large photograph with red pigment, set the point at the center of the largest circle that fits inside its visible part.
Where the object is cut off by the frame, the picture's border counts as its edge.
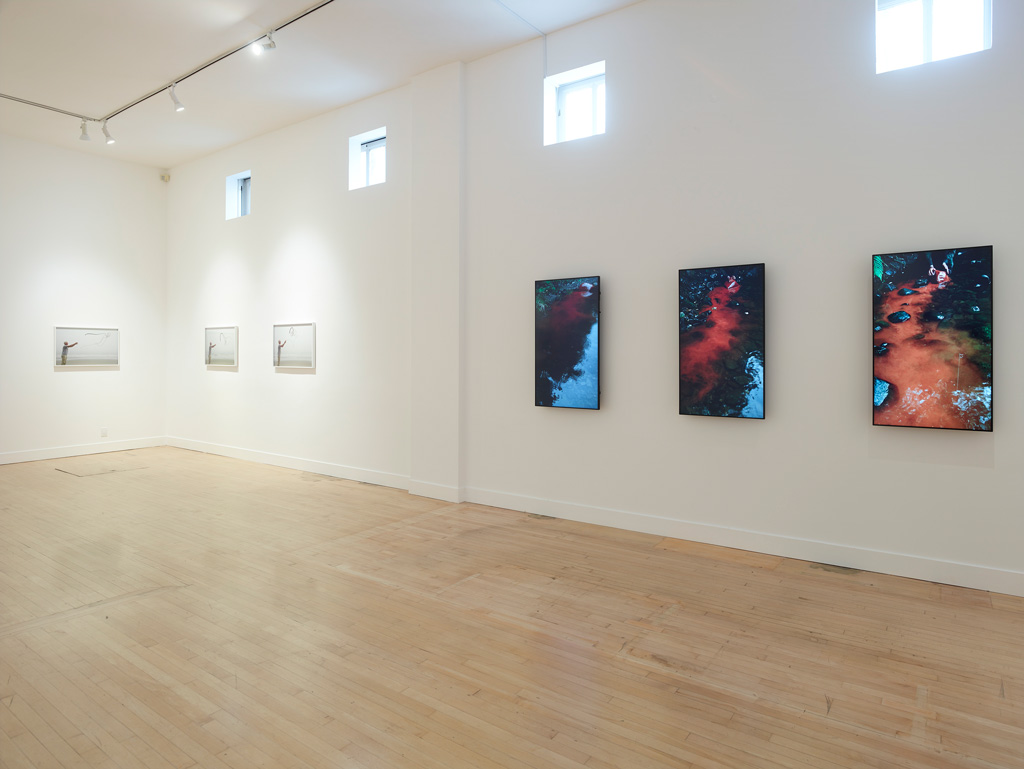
(567, 373)
(933, 339)
(721, 341)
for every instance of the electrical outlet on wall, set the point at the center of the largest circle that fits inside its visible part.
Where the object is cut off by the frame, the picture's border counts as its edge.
(103, 432)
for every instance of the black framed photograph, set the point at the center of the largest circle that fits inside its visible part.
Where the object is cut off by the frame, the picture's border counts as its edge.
(567, 343)
(932, 346)
(722, 341)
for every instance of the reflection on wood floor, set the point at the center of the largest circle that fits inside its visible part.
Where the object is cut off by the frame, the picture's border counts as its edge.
(165, 608)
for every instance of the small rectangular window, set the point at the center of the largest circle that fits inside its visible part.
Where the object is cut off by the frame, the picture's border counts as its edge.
(574, 104)
(367, 159)
(244, 185)
(912, 32)
(374, 160)
(581, 108)
(238, 195)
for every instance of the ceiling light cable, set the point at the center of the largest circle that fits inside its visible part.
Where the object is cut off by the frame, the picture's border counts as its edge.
(543, 34)
(178, 106)
(85, 133)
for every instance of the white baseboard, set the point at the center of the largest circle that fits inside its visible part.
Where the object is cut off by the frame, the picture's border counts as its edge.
(885, 562)
(59, 452)
(882, 561)
(294, 463)
(435, 491)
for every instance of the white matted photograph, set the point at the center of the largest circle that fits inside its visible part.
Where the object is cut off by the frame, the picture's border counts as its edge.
(93, 347)
(221, 347)
(295, 345)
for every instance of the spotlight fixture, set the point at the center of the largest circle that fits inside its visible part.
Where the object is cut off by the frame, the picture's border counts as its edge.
(259, 46)
(178, 106)
(264, 43)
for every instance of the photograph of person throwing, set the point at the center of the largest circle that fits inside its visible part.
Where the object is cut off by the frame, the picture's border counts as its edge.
(64, 353)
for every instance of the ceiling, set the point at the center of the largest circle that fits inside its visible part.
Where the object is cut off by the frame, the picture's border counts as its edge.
(93, 57)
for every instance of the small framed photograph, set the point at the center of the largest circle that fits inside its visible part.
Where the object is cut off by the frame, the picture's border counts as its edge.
(221, 347)
(86, 347)
(295, 345)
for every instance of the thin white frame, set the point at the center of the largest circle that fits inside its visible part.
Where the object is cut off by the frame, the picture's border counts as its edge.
(233, 331)
(290, 330)
(62, 334)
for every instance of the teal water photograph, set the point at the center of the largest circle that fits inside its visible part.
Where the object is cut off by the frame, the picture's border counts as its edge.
(566, 342)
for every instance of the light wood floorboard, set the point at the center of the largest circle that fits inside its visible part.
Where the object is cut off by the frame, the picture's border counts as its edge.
(169, 609)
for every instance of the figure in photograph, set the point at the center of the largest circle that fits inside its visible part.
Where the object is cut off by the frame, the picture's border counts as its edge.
(64, 353)
(566, 343)
(933, 339)
(301, 341)
(220, 346)
(721, 341)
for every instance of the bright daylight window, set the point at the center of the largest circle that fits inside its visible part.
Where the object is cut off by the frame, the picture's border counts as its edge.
(574, 104)
(911, 32)
(238, 195)
(367, 158)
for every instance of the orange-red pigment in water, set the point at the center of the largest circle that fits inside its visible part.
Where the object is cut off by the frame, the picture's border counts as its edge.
(572, 312)
(925, 362)
(698, 359)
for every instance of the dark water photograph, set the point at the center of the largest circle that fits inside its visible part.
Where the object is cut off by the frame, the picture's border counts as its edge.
(722, 341)
(932, 345)
(567, 313)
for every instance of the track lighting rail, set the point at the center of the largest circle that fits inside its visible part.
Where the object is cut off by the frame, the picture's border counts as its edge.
(52, 109)
(268, 36)
(173, 83)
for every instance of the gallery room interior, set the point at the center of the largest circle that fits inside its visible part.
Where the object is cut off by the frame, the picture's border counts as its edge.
(380, 552)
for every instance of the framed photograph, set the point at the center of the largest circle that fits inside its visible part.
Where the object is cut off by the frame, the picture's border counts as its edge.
(933, 339)
(92, 347)
(295, 345)
(566, 343)
(722, 341)
(221, 346)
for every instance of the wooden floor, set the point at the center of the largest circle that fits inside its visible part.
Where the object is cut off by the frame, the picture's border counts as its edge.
(164, 608)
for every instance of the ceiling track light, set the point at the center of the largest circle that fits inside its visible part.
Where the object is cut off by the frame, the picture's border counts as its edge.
(178, 106)
(261, 45)
(258, 46)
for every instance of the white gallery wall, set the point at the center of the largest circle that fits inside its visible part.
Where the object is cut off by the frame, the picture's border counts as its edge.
(742, 131)
(81, 244)
(310, 251)
(738, 131)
